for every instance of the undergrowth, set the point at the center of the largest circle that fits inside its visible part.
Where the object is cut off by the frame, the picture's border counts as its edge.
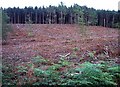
(40, 71)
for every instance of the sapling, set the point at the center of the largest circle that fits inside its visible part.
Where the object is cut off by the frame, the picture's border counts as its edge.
(74, 53)
(29, 22)
(4, 27)
(82, 24)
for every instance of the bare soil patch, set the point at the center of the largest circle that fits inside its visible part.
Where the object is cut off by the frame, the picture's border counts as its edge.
(50, 41)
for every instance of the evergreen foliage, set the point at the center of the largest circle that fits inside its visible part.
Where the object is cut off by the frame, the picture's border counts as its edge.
(4, 27)
(62, 73)
(62, 14)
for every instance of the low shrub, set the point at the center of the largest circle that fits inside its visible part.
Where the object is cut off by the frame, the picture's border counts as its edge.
(102, 74)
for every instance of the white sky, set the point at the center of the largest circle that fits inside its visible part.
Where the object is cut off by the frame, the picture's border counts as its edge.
(97, 4)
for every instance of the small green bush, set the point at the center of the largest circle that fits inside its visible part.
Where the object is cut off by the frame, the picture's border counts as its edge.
(89, 75)
(102, 74)
(5, 27)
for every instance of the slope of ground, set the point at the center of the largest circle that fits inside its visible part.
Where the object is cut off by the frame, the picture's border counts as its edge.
(51, 41)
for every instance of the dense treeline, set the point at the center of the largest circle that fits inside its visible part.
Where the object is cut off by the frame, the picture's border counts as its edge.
(63, 15)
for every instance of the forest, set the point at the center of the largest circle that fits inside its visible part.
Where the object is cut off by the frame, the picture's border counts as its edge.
(59, 46)
(62, 14)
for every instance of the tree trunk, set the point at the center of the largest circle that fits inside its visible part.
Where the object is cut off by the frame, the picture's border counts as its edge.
(18, 18)
(14, 18)
(25, 18)
(39, 18)
(61, 17)
(78, 18)
(43, 18)
(113, 21)
(49, 19)
(36, 17)
(104, 22)
(71, 18)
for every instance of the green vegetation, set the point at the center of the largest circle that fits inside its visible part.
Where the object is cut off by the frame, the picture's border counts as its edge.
(0, 23)
(62, 14)
(28, 23)
(40, 71)
(4, 27)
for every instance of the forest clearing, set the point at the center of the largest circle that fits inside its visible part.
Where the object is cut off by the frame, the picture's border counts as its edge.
(50, 41)
(54, 43)
(59, 45)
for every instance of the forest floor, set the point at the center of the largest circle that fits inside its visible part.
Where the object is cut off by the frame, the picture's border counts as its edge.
(51, 41)
(46, 54)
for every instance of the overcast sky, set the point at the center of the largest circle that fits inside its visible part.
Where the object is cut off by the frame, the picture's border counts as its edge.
(97, 4)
